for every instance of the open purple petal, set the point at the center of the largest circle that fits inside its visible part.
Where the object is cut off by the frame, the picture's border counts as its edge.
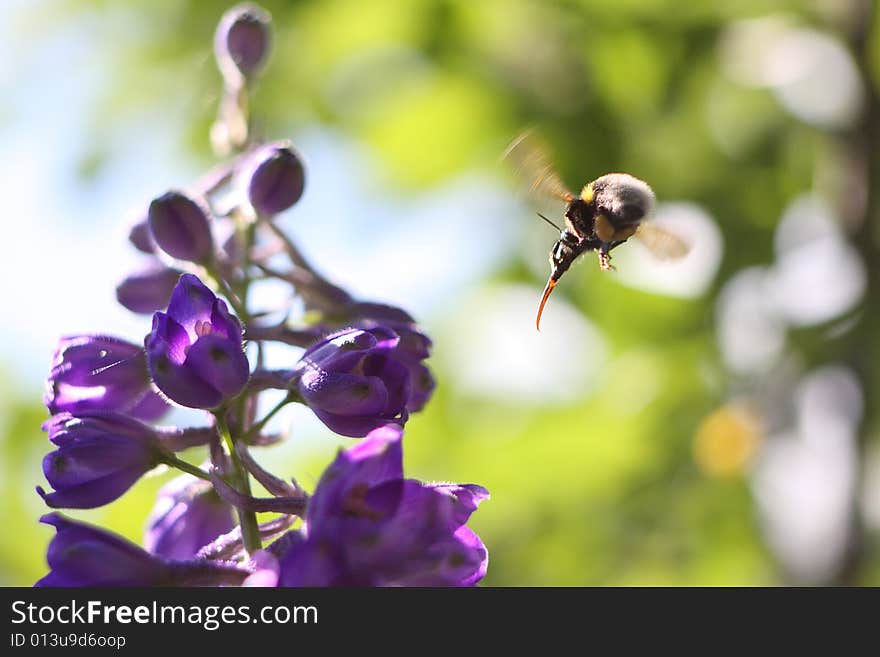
(224, 322)
(182, 384)
(465, 499)
(191, 301)
(312, 564)
(168, 337)
(195, 352)
(376, 459)
(220, 362)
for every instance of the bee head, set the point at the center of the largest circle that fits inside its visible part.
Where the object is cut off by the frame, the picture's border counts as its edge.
(623, 198)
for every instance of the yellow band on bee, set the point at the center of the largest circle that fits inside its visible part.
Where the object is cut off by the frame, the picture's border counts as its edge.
(604, 228)
(587, 193)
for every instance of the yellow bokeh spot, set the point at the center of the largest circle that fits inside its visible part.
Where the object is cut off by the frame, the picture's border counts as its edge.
(726, 440)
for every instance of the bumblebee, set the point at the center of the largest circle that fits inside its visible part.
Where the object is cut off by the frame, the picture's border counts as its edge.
(607, 212)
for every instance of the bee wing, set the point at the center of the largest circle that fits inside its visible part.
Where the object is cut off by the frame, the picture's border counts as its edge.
(528, 155)
(662, 243)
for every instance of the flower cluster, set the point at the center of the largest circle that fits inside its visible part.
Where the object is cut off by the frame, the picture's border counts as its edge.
(358, 365)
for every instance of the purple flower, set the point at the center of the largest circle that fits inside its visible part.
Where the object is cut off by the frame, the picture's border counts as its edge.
(179, 224)
(99, 372)
(276, 178)
(140, 235)
(358, 380)
(194, 352)
(147, 289)
(368, 526)
(99, 457)
(187, 516)
(414, 347)
(265, 570)
(380, 313)
(241, 41)
(83, 555)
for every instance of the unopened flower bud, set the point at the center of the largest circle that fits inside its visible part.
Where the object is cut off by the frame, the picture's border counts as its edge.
(277, 178)
(180, 227)
(188, 515)
(148, 289)
(360, 379)
(141, 237)
(84, 555)
(101, 373)
(241, 42)
(99, 457)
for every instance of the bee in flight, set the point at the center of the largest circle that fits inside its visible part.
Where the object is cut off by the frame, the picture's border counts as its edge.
(608, 211)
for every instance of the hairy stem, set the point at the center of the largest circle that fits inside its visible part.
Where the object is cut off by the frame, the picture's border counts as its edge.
(258, 426)
(250, 530)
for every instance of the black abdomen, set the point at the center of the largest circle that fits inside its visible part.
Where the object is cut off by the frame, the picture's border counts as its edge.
(565, 251)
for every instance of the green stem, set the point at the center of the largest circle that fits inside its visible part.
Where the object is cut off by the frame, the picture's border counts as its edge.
(258, 426)
(250, 530)
(189, 468)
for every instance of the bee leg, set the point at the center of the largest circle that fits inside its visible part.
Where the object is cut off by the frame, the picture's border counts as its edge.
(605, 259)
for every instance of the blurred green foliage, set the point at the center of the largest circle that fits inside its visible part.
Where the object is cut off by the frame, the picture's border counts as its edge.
(583, 493)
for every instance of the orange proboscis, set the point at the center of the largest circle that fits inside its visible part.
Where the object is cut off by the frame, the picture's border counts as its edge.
(547, 290)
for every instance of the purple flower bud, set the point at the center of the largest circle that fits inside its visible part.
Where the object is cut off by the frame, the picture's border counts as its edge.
(414, 347)
(241, 42)
(180, 226)
(359, 311)
(148, 289)
(101, 373)
(141, 236)
(188, 516)
(276, 178)
(83, 555)
(356, 380)
(194, 352)
(368, 526)
(99, 457)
